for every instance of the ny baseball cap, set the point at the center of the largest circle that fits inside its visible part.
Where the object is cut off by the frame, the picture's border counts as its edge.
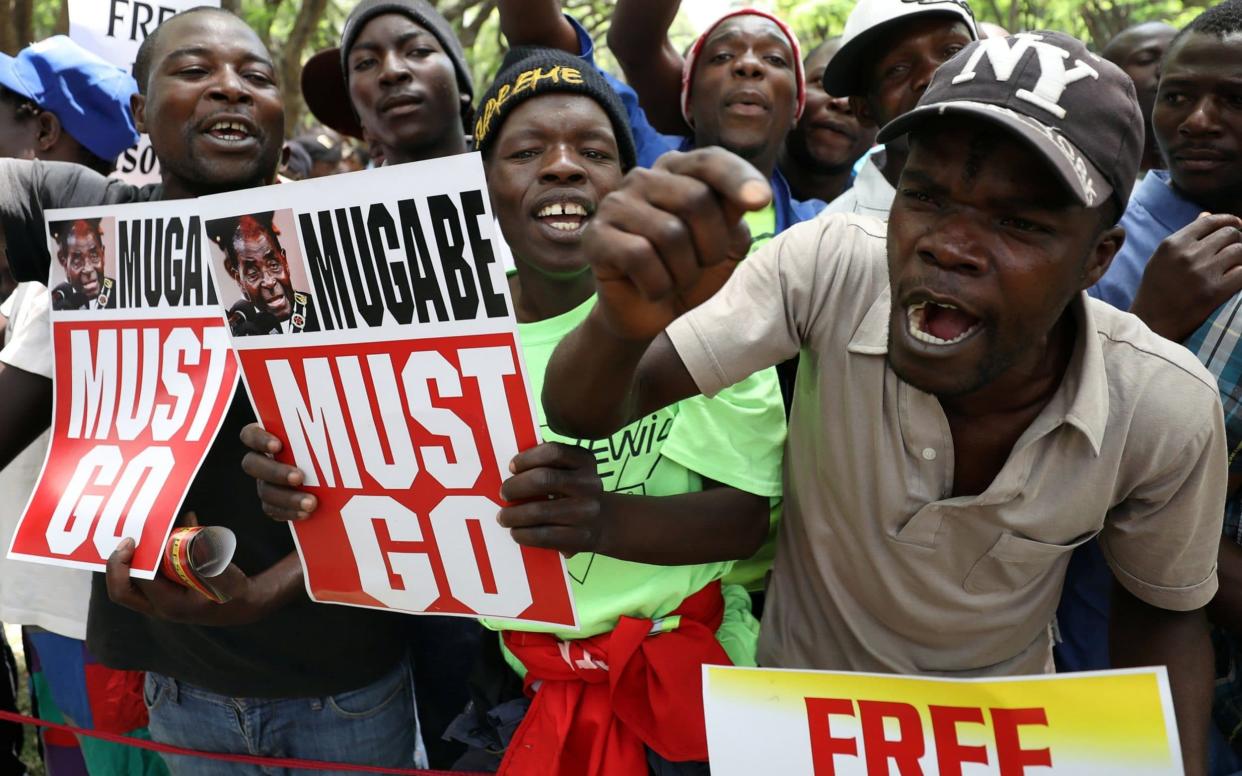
(88, 95)
(870, 20)
(1077, 110)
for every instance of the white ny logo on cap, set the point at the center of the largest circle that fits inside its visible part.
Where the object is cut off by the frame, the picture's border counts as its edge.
(1053, 76)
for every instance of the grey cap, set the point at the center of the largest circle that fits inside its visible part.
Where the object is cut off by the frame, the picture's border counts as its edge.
(1075, 109)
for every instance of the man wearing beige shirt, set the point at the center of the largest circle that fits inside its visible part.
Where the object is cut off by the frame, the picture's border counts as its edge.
(965, 416)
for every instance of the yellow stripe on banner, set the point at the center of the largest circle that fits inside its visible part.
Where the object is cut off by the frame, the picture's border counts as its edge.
(186, 575)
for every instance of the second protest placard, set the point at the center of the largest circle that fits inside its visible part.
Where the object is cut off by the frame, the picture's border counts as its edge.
(376, 337)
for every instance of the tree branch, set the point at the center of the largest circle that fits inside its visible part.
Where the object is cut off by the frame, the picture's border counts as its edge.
(470, 32)
(309, 15)
(23, 22)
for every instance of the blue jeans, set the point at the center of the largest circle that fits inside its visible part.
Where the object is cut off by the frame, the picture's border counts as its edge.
(373, 725)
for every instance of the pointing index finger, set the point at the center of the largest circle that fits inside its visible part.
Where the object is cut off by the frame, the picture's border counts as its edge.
(740, 186)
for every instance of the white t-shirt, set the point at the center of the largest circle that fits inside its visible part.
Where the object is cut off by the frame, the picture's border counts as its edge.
(52, 598)
(871, 195)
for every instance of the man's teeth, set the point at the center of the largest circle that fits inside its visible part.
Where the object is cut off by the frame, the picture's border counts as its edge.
(915, 317)
(230, 130)
(562, 209)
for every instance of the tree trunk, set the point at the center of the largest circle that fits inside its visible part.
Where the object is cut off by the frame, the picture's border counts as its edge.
(8, 36)
(263, 25)
(231, 5)
(23, 23)
(1106, 19)
(18, 30)
(470, 32)
(308, 18)
(62, 19)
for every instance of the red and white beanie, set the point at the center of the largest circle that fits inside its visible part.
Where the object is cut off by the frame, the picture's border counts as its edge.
(692, 58)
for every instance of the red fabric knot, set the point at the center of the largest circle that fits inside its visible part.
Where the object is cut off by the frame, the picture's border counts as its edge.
(603, 699)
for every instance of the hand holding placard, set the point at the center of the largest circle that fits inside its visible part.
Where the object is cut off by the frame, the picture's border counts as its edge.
(250, 599)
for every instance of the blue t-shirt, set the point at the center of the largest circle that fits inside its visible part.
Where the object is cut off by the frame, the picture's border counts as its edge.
(651, 144)
(1156, 210)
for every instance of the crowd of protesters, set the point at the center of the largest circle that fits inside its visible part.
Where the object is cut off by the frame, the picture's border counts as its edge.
(965, 403)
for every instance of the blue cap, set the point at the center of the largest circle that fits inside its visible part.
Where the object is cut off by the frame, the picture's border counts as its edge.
(89, 95)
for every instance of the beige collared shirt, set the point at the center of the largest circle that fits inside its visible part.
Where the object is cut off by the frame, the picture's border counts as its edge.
(878, 566)
(871, 194)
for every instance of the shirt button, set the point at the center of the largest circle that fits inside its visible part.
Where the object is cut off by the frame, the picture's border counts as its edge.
(929, 454)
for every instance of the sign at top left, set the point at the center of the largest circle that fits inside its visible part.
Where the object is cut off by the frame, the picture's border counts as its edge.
(113, 30)
(143, 378)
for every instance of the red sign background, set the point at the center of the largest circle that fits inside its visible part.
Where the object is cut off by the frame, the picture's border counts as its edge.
(429, 547)
(110, 472)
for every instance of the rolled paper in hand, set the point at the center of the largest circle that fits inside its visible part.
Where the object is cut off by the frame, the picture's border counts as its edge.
(195, 555)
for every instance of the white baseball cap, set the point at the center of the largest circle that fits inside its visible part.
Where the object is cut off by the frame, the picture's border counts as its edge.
(870, 19)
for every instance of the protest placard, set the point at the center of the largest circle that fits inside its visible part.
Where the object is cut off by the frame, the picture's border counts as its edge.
(113, 30)
(1107, 723)
(143, 377)
(376, 337)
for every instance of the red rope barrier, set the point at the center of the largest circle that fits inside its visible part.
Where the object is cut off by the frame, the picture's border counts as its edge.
(249, 759)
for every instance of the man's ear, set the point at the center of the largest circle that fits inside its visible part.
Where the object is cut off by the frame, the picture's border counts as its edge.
(1106, 247)
(862, 109)
(138, 104)
(48, 132)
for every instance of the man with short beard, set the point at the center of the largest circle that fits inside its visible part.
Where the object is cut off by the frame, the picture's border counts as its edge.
(966, 414)
(268, 673)
(820, 153)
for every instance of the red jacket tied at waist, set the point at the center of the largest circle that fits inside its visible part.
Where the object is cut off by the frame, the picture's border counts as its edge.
(601, 699)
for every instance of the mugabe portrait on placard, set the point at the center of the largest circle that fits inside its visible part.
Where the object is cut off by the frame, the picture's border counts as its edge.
(250, 252)
(80, 279)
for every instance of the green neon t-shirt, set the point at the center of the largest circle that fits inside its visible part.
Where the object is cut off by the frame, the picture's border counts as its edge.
(636, 460)
(762, 225)
(753, 391)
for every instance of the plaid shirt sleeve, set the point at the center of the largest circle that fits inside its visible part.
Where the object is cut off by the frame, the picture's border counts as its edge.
(1218, 344)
